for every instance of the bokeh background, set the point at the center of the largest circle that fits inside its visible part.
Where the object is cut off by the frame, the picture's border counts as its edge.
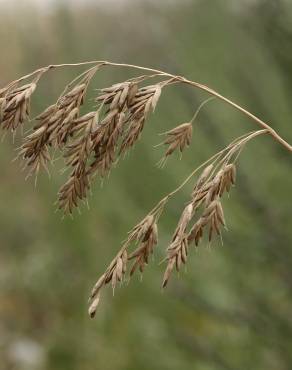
(232, 307)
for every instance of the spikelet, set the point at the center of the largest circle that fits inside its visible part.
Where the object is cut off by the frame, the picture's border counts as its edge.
(15, 106)
(145, 249)
(212, 217)
(105, 142)
(140, 230)
(227, 179)
(113, 275)
(202, 179)
(220, 183)
(66, 111)
(178, 138)
(35, 148)
(77, 156)
(118, 95)
(141, 105)
(206, 190)
(116, 99)
(177, 255)
(178, 249)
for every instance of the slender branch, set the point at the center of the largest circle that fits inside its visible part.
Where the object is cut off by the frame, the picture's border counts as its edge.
(182, 79)
(239, 142)
(200, 107)
(263, 124)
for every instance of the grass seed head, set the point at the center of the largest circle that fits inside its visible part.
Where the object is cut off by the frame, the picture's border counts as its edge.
(15, 106)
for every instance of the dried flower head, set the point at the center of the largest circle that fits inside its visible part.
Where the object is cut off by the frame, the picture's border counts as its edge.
(92, 143)
(145, 234)
(213, 217)
(113, 274)
(35, 148)
(15, 106)
(77, 156)
(141, 104)
(106, 141)
(178, 249)
(178, 138)
(177, 254)
(145, 249)
(118, 95)
(66, 111)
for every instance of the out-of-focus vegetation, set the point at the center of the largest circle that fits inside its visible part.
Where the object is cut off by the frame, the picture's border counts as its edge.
(232, 308)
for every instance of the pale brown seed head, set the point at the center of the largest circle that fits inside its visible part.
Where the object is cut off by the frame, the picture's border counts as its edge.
(90, 146)
(203, 178)
(228, 178)
(212, 217)
(139, 231)
(145, 249)
(15, 106)
(178, 249)
(106, 140)
(176, 256)
(113, 275)
(93, 306)
(66, 111)
(118, 96)
(35, 147)
(77, 155)
(178, 138)
(144, 101)
(184, 220)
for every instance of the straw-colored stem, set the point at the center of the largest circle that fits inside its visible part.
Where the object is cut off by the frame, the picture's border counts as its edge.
(182, 79)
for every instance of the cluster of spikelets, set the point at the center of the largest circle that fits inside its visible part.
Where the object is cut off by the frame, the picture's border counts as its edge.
(92, 143)
(206, 194)
(203, 212)
(203, 215)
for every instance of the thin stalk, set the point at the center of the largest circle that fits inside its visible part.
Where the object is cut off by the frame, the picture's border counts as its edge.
(199, 109)
(182, 79)
(200, 86)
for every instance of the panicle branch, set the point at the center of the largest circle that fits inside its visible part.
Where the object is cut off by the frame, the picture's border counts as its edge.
(92, 143)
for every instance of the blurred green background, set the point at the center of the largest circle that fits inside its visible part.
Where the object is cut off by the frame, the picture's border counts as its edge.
(232, 307)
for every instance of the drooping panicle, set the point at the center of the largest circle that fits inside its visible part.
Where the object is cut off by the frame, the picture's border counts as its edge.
(91, 146)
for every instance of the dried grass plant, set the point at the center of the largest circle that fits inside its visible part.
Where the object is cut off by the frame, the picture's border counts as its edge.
(93, 142)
